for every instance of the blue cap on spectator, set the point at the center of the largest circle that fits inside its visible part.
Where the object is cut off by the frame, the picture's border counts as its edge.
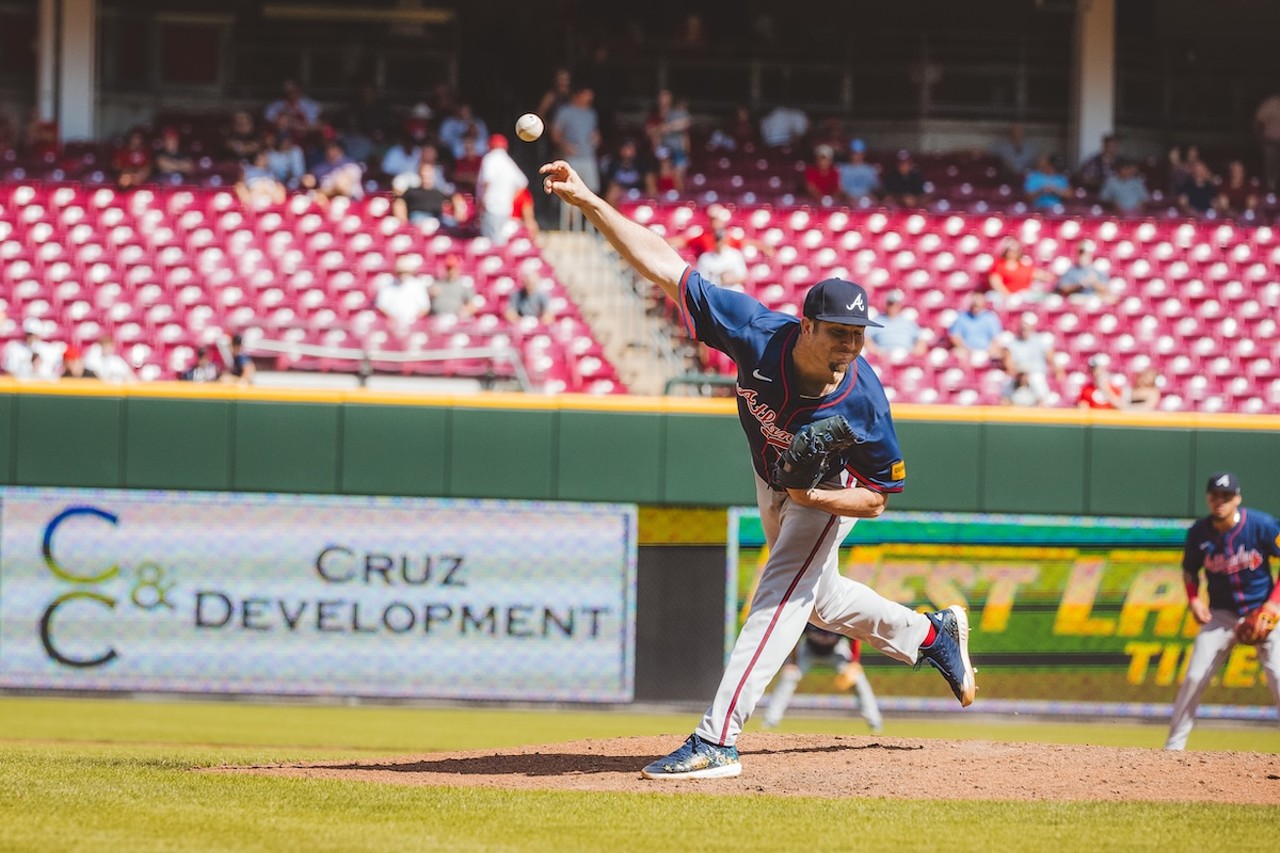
(857, 146)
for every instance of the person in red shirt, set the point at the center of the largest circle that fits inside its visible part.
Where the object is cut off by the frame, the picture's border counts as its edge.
(132, 163)
(1013, 273)
(1100, 392)
(822, 180)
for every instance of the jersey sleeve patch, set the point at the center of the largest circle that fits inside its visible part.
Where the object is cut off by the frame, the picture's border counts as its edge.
(899, 472)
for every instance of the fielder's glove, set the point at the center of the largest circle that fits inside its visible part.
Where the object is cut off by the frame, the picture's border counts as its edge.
(1257, 625)
(801, 465)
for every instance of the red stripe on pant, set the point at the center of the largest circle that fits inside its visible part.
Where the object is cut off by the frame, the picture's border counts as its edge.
(772, 622)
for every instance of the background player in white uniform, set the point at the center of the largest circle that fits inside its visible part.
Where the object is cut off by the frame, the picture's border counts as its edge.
(819, 646)
(791, 373)
(1234, 545)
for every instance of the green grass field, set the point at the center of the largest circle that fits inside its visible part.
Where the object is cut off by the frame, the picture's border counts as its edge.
(108, 774)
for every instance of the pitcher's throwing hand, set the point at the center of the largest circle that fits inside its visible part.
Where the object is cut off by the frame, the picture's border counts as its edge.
(561, 180)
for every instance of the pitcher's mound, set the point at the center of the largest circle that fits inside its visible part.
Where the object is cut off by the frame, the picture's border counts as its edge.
(835, 766)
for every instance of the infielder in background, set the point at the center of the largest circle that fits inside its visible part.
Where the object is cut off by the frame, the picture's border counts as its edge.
(1234, 545)
(825, 454)
(839, 651)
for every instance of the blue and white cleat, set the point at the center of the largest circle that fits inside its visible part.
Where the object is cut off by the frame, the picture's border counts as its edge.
(696, 759)
(949, 653)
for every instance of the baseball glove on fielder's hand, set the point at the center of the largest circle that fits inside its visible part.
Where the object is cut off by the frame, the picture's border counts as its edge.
(1257, 625)
(802, 464)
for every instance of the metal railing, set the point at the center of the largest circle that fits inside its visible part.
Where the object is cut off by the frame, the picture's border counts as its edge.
(365, 358)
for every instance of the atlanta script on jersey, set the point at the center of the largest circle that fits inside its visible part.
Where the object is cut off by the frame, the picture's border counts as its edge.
(1237, 562)
(761, 343)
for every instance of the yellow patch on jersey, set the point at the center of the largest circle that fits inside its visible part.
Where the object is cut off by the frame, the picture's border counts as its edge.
(899, 470)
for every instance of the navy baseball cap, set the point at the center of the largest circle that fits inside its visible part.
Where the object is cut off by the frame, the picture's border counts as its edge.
(1223, 481)
(835, 300)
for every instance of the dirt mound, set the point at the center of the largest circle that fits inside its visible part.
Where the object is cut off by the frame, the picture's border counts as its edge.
(833, 766)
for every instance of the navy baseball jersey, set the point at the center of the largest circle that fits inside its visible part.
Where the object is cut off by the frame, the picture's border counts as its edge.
(761, 343)
(1237, 562)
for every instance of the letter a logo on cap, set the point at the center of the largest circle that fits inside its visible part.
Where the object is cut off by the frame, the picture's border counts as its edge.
(1223, 481)
(856, 303)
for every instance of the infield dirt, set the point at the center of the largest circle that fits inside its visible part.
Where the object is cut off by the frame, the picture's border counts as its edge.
(837, 766)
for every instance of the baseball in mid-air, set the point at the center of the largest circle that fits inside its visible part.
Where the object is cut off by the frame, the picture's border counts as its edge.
(528, 127)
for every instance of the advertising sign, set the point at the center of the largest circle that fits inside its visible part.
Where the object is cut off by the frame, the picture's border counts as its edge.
(1068, 614)
(352, 596)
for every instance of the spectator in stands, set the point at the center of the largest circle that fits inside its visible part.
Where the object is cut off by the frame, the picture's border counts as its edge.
(821, 180)
(241, 140)
(667, 126)
(1125, 190)
(403, 297)
(294, 113)
(1045, 186)
(204, 369)
(20, 353)
(1199, 193)
(1013, 275)
(73, 366)
(461, 124)
(1082, 278)
(858, 178)
(284, 159)
(1181, 164)
(238, 366)
(529, 300)
(976, 328)
(358, 144)
(738, 134)
(1015, 153)
(724, 263)
(466, 169)
(453, 293)
(576, 135)
(424, 202)
(1031, 353)
(417, 125)
(132, 163)
(628, 170)
(557, 96)
(1266, 126)
(401, 157)
(1144, 393)
(106, 363)
(898, 329)
(499, 182)
(1100, 391)
(1237, 194)
(257, 186)
(337, 175)
(904, 185)
(1095, 170)
(667, 179)
(171, 161)
(1018, 392)
(783, 127)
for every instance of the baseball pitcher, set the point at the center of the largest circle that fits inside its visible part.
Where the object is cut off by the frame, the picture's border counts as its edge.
(825, 454)
(1234, 546)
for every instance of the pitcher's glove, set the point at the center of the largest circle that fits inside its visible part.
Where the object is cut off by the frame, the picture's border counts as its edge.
(802, 464)
(1257, 625)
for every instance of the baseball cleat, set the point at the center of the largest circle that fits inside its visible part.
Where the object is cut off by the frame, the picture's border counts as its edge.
(949, 653)
(696, 759)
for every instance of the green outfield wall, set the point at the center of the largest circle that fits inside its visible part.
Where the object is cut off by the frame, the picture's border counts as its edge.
(651, 451)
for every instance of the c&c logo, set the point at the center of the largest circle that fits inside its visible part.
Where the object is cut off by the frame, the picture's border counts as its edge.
(149, 592)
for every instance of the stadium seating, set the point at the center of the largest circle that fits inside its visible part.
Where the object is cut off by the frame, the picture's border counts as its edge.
(166, 269)
(1199, 301)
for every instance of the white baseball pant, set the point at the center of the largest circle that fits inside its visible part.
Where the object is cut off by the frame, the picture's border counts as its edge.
(787, 682)
(801, 583)
(1215, 641)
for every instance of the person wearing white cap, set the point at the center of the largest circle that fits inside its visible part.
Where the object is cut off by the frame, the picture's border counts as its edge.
(1031, 353)
(20, 353)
